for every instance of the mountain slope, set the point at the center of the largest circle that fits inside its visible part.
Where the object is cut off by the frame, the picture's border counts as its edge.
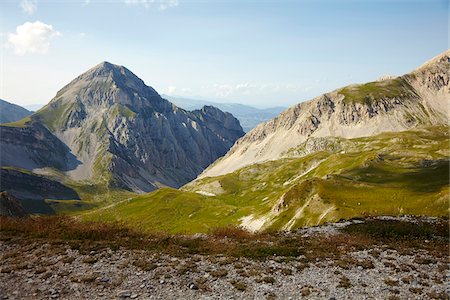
(33, 191)
(419, 98)
(123, 134)
(248, 116)
(11, 112)
(388, 174)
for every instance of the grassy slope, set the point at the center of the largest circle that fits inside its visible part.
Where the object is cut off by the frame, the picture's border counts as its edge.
(386, 89)
(392, 173)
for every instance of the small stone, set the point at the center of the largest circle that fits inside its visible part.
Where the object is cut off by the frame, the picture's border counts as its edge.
(105, 279)
(162, 281)
(193, 286)
(134, 296)
(142, 286)
(124, 294)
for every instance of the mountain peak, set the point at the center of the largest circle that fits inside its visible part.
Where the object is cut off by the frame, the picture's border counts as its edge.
(124, 134)
(106, 84)
(107, 67)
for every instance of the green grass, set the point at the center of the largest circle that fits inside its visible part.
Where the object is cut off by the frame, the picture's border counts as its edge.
(372, 91)
(20, 123)
(389, 174)
(122, 110)
(171, 211)
(70, 207)
(54, 113)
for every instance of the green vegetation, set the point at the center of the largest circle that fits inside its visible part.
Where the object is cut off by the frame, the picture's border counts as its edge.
(389, 174)
(55, 112)
(372, 91)
(169, 210)
(230, 241)
(21, 123)
(122, 110)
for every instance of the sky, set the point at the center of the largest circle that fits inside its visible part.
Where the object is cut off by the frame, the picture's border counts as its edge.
(260, 53)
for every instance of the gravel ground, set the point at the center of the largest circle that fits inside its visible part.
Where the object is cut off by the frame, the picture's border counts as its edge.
(39, 270)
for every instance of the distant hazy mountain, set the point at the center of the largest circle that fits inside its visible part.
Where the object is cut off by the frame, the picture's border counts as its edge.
(248, 116)
(34, 107)
(108, 128)
(11, 112)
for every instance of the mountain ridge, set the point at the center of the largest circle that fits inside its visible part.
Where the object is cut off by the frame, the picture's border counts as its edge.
(10, 112)
(414, 99)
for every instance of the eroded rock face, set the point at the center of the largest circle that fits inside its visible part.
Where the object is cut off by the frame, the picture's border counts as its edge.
(420, 98)
(124, 134)
(32, 147)
(29, 186)
(30, 192)
(10, 206)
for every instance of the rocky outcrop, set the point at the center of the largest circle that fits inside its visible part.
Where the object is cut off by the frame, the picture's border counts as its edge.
(32, 147)
(420, 98)
(10, 112)
(33, 187)
(32, 191)
(10, 206)
(124, 134)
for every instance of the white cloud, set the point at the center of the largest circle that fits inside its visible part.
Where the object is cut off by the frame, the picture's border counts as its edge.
(170, 90)
(28, 6)
(160, 4)
(31, 38)
(225, 90)
(81, 35)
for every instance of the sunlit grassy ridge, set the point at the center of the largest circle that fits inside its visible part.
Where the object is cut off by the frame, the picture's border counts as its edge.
(389, 174)
(386, 89)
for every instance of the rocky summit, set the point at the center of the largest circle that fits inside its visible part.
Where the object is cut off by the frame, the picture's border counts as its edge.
(108, 127)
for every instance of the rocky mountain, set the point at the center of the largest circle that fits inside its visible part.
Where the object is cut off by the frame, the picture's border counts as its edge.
(248, 116)
(11, 112)
(108, 127)
(419, 98)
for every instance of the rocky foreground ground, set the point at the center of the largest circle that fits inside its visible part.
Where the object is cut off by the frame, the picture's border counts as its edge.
(49, 268)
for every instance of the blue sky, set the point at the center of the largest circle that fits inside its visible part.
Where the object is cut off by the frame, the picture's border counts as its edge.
(261, 53)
